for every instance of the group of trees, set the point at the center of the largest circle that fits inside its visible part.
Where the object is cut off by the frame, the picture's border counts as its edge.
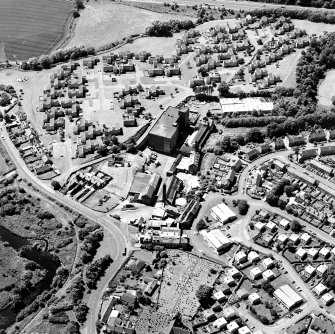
(47, 61)
(96, 269)
(329, 275)
(300, 14)
(4, 99)
(273, 195)
(204, 294)
(168, 28)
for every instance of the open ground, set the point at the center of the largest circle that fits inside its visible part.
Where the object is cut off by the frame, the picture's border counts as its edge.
(102, 23)
(30, 28)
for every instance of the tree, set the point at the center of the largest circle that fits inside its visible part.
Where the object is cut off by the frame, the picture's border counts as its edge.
(243, 207)
(55, 185)
(296, 226)
(254, 136)
(201, 225)
(80, 4)
(223, 89)
(204, 293)
(103, 150)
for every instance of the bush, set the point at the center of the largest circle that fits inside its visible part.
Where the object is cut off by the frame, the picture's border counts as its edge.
(243, 207)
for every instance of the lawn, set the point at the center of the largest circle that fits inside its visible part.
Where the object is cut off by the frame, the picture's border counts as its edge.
(154, 45)
(30, 28)
(103, 23)
(313, 27)
(327, 89)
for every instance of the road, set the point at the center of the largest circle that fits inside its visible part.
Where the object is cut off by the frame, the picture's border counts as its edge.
(104, 220)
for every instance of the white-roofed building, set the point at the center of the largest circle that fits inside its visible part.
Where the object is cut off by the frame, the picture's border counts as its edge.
(260, 226)
(228, 313)
(233, 272)
(216, 240)
(268, 275)
(219, 296)
(305, 237)
(294, 238)
(285, 224)
(253, 257)
(220, 323)
(229, 280)
(233, 327)
(267, 263)
(324, 252)
(254, 298)
(327, 299)
(241, 257)
(333, 251)
(312, 253)
(255, 273)
(282, 238)
(310, 271)
(320, 289)
(271, 226)
(242, 293)
(244, 106)
(244, 330)
(321, 269)
(209, 314)
(301, 253)
(287, 296)
(222, 213)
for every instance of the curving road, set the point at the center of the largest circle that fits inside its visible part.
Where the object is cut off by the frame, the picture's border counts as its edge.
(119, 241)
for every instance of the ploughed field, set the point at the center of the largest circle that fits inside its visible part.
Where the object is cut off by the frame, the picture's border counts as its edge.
(30, 28)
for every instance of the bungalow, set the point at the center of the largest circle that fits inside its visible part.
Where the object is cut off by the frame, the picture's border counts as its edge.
(268, 275)
(255, 273)
(319, 289)
(327, 299)
(301, 253)
(254, 298)
(285, 224)
(253, 257)
(312, 253)
(309, 270)
(267, 263)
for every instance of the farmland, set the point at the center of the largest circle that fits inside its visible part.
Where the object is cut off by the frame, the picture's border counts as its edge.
(326, 89)
(31, 28)
(98, 25)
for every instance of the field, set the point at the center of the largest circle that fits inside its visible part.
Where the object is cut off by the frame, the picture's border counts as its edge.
(32, 27)
(313, 27)
(327, 89)
(154, 45)
(98, 25)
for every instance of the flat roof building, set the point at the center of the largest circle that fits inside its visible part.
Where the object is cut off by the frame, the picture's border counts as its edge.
(222, 213)
(243, 106)
(286, 295)
(165, 133)
(217, 240)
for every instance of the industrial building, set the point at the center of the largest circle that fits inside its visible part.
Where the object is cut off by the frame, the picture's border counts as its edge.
(145, 187)
(287, 296)
(168, 128)
(222, 213)
(217, 240)
(244, 106)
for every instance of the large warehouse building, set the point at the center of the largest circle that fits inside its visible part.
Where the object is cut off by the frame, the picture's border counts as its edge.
(222, 213)
(165, 133)
(217, 240)
(288, 297)
(145, 187)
